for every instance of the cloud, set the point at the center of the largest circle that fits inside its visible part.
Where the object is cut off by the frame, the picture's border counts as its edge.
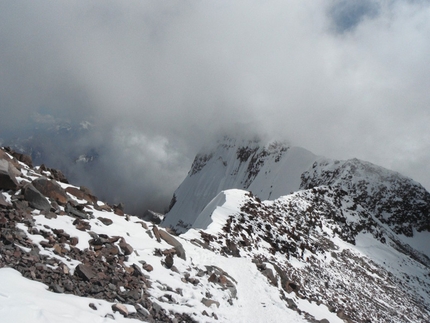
(159, 80)
(348, 14)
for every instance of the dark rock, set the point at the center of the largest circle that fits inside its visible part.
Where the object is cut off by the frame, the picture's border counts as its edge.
(125, 247)
(156, 233)
(68, 285)
(82, 194)
(73, 211)
(82, 225)
(148, 267)
(152, 216)
(56, 174)
(74, 241)
(291, 286)
(35, 199)
(7, 177)
(57, 288)
(137, 272)
(92, 306)
(26, 159)
(121, 308)
(84, 271)
(169, 261)
(105, 221)
(50, 189)
(173, 242)
(3, 201)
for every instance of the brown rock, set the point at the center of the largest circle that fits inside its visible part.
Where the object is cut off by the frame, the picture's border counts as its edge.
(148, 267)
(169, 261)
(209, 302)
(74, 241)
(51, 189)
(26, 159)
(82, 194)
(180, 251)
(35, 199)
(156, 233)
(121, 308)
(7, 177)
(125, 247)
(84, 271)
(105, 221)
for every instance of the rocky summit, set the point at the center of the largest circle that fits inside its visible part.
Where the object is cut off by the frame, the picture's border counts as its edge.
(255, 233)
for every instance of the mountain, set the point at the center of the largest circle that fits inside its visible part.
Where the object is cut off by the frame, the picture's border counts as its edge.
(353, 236)
(268, 171)
(348, 242)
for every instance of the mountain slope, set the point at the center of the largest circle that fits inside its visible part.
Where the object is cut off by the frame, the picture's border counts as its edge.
(112, 265)
(331, 251)
(269, 171)
(318, 245)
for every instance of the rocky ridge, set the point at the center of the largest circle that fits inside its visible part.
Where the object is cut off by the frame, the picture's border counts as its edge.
(60, 235)
(322, 254)
(305, 244)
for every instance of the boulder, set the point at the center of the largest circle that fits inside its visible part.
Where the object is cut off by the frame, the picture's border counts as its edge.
(26, 159)
(7, 177)
(169, 261)
(35, 199)
(152, 216)
(3, 201)
(173, 242)
(105, 221)
(84, 271)
(125, 247)
(82, 193)
(50, 189)
(75, 212)
(209, 302)
(121, 308)
(55, 173)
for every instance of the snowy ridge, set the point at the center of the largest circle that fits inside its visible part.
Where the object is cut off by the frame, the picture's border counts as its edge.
(333, 251)
(397, 201)
(269, 171)
(319, 246)
(90, 262)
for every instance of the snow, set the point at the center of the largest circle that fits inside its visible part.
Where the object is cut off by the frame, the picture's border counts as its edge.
(420, 241)
(279, 174)
(205, 204)
(23, 301)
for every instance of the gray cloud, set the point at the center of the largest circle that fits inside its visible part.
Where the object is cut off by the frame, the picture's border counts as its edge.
(159, 80)
(348, 14)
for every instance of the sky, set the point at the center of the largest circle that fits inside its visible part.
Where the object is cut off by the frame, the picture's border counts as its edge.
(159, 80)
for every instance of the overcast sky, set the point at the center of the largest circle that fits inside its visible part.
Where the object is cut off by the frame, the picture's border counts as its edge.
(160, 79)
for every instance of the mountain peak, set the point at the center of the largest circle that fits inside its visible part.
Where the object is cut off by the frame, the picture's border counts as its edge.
(269, 171)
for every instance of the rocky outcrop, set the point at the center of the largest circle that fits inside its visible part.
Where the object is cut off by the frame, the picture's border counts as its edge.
(51, 189)
(173, 242)
(36, 199)
(7, 177)
(82, 193)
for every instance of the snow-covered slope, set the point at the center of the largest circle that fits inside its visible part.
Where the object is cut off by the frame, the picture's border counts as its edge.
(111, 265)
(319, 247)
(334, 250)
(268, 171)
